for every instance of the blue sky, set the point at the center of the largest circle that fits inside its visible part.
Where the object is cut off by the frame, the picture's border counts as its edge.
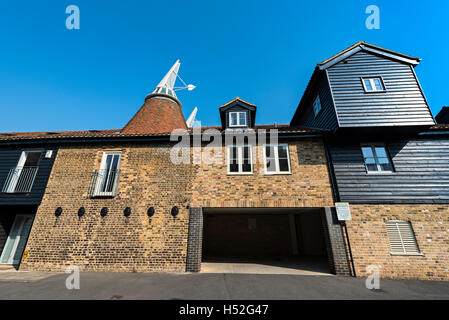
(52, 78)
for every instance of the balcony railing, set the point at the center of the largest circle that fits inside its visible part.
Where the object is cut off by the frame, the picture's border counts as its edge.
(20, 180)
(104, 183)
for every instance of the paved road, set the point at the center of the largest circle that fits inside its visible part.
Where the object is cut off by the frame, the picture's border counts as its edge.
(218, 286)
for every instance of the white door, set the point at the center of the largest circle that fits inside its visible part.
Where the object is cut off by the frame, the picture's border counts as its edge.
(17, 238)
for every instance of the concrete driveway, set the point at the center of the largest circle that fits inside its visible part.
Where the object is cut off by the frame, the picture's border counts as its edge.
(218, 286)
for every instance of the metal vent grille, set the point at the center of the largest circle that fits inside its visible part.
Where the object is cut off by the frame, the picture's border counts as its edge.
(402, 237)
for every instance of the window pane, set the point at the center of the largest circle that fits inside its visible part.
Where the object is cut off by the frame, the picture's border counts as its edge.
(233, 151)
(368, 85)
(233, 119)
(246, 167)
(234, 167)
(108, 162)
(114, 165)
(283, 165)
(378, 84)
(271, 165)
(371, 164)
(317, 106)
(282, 152)
(367, 152)
(269, 151)
(385, 164)
(380, 152)
(245, 152)
(32, 159)
(246, 155)
(242, 119)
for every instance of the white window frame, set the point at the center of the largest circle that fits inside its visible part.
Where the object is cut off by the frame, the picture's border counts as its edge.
(276, 159)
(99, 181)
(240, 159)
(376, 158)
(239, 114)
(393, 225)
(315, 112)
(373, 86)
(19, 168)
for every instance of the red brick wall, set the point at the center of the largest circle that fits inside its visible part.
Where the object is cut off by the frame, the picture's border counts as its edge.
(371, 246)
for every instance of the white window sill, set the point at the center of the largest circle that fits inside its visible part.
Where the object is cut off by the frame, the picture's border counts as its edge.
(240, 173)
(381, 172)
(375, 91)
(277, 173)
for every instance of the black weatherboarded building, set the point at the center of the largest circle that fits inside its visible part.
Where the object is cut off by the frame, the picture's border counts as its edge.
(388, 159)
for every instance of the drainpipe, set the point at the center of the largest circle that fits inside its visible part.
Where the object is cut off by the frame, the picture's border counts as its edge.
(335, 193)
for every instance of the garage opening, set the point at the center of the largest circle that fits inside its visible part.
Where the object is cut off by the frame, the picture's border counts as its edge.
(264, 241)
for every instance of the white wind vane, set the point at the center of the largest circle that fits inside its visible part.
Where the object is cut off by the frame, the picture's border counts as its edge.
(167, 84)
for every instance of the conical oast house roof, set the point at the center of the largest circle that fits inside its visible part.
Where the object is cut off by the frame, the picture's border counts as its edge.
(161, 112)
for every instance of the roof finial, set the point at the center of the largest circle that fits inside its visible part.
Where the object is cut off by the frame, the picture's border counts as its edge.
(191, 120)
(167, 84)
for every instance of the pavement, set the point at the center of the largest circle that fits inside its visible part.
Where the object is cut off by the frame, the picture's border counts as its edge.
(216, 286)
(301, 266)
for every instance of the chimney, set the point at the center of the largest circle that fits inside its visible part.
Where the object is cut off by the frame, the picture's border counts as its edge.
(161, 112)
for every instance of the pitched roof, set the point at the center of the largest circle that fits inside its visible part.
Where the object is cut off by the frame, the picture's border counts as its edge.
(282, 128)
(109, 133)
(114, 133)
(362, 45)
(237, 99)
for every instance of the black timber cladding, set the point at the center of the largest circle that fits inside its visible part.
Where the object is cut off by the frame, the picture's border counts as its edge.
(402, 104)
(9, 157)
(326, 118)
(443, 115)
(421, 172)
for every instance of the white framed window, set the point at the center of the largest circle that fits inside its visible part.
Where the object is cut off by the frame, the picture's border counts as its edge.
(106, 179)
(21, 178)
(277, 159)
(317, 106)
(376, 159)
(373, 84)
(402, 238)
(237, 119)
(240, 159)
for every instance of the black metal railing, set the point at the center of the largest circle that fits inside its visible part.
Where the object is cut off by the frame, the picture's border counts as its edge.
(104, 183)
(20, 180)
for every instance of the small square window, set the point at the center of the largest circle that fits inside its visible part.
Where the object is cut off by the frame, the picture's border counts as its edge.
(317, 106)
(376, 158)
(373, 84)
(237, 119)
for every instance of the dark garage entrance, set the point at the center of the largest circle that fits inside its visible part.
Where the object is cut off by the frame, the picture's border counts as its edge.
(263, 241)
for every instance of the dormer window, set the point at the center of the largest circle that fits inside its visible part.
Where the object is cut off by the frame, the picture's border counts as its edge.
(373, 84)
(237, 114)
(237, 119)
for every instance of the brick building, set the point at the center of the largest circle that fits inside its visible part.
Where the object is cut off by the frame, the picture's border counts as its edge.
(115, 200)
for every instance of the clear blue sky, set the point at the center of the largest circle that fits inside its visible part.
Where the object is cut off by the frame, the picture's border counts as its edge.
(97, 77)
